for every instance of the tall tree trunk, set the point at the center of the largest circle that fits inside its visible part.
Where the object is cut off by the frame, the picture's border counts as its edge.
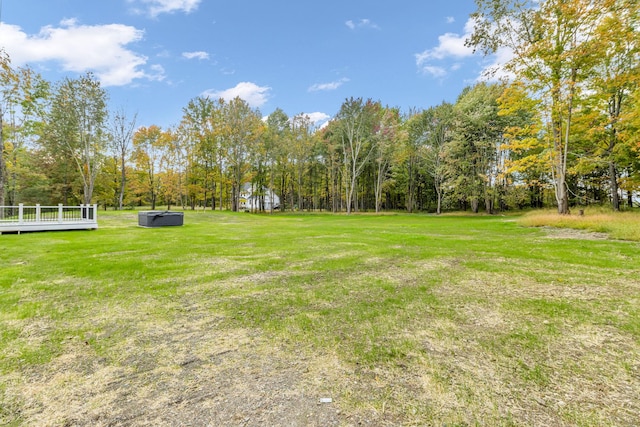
(2, 163)
(271, 189)
(213, 194)
(562, 196)
(559, 170)
(615, 105)
(410, 185)
(234, 197)
(378, 187)
(351, 184)
(475, 204)
(488, 204)
(613, 178)
(123, 180)
(221, 191)
(565, 147)
(300, 202)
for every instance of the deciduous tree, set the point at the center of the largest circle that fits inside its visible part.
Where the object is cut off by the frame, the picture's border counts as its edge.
(76, 126)
(242, 127)
(8, 80)
(275, 139)
(121, 130)
(300, 147)
(438, 126)
(388, 135)
(149, 147)
(355, 121)
(201, 128)
(616, 75)
(551, 44)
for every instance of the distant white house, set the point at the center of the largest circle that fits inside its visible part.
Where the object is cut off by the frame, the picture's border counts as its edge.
(254, 200)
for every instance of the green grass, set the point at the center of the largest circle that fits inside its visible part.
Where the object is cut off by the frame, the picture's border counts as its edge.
(429, 320)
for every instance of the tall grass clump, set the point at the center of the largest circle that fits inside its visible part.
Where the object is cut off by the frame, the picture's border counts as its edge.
(618, 225)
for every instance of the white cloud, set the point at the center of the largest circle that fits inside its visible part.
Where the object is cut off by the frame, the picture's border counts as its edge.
(449, 45)
(327, 86)
(362, 23)
(157, 74)
(156, 7)
(256, 96)
(80, 48)
(435, 61)
(195, 55)
(437, 72)
(317, 117)
(450, 19)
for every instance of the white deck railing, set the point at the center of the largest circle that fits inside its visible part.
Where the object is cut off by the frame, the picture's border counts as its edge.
(39, 218)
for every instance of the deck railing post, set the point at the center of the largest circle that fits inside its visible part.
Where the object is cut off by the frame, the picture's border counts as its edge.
(60, 210)
(37, 212)
(20, 213)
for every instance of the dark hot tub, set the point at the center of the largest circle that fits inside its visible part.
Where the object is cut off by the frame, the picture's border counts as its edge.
(160, 218)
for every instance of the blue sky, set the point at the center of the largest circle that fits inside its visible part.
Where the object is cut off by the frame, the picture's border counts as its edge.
(153, 56)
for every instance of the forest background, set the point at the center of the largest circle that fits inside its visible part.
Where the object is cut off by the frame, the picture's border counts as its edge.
(561, 130)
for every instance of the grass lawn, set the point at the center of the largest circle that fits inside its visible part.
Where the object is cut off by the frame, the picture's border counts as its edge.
(241, 319)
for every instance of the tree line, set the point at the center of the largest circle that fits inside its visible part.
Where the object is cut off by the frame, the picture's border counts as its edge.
(562, 130)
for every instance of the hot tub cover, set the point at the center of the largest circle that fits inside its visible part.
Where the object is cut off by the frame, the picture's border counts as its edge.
(160, 218)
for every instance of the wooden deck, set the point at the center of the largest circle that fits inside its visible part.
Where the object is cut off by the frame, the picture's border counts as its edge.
(21, 218)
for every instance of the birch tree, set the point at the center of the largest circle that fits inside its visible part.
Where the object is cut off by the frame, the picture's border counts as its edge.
(354, 120)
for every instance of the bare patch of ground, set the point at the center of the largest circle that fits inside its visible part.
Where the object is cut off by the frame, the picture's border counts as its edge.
(189, 371)
(572, 233)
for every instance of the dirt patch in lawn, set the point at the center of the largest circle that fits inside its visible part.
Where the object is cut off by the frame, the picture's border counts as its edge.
(572, 233)
(193, 372)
